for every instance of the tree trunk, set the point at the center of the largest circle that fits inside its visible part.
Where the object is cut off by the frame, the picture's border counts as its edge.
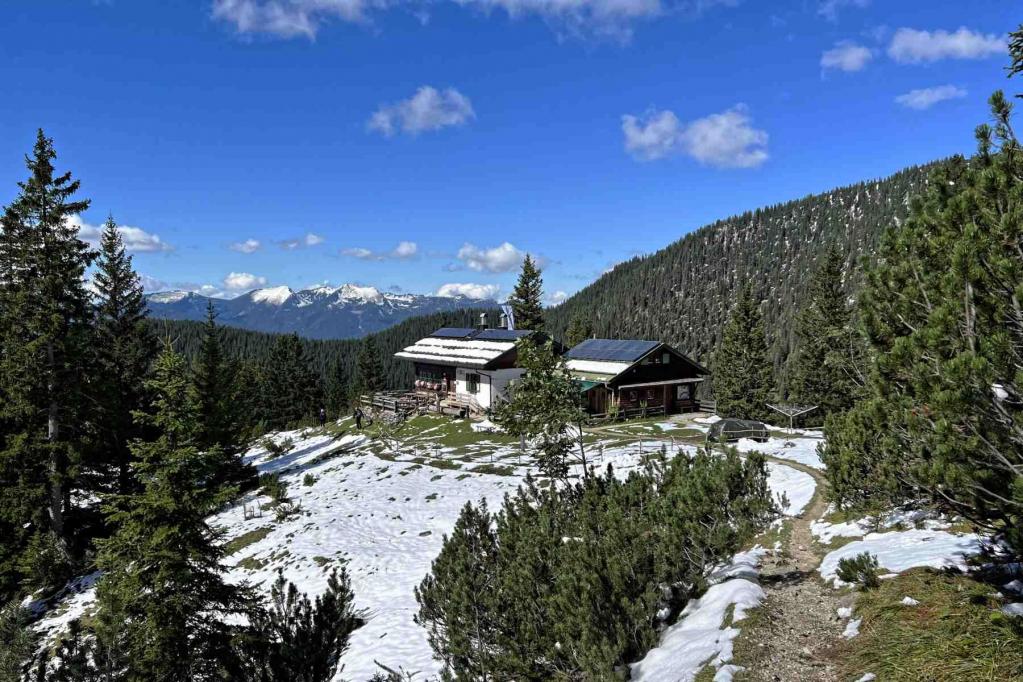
(52, 437)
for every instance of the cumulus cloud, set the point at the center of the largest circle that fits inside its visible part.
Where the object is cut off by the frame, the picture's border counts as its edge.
(151, 284)
(427, 110)
(846, 56)
(723, 140)
(243, 281)
(503, 258)
(405, 250)
(925, 98)
(247, 246)
(557, 297)
(309, 240)
(829, 9)
(910, 46)
(469, 290)
(136, 240)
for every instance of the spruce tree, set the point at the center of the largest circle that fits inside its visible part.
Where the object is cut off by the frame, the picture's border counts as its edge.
(292, 390)
(526, 299)
(163, 600)
(743, 377)
(579, 329)
(124, 348)
(45, 333)
(338, 390)
(545, 406)
(220, 420)
(821, 374)
(368, 371)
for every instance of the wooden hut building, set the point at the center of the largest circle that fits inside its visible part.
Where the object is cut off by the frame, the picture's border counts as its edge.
(635, 377)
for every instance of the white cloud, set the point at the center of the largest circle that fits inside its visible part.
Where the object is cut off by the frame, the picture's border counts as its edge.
(503, 258)
(846, 56)
(429, 109)
(243, 281)
(611, 19)
(469, 290)
(829, 9)
(405, 250)
(136, 240)
(309, 240)
(723, 140)
(910, 46)
(151, 284)
(557, 297)
(247, 246)
(925, 98)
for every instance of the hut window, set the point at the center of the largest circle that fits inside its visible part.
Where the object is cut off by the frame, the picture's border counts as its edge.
(665, 358)
(632, 395)
(472, 383)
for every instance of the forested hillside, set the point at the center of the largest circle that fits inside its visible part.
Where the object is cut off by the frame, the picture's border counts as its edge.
(682, 293)
(326, 357)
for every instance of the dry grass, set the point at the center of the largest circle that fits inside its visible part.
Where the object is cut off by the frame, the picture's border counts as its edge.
(955, 634)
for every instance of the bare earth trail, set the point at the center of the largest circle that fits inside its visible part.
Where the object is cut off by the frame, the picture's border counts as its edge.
(789, 637)
(798, 622)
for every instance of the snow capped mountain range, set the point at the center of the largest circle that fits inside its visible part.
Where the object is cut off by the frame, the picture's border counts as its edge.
(322, 312)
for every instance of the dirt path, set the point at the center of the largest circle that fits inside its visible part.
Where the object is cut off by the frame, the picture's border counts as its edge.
(788, 639)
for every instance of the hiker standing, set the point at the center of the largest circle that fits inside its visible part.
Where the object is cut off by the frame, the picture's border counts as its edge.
(323, 417)
(358, 418)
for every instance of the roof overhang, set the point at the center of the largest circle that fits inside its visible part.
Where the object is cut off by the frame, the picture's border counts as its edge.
(668, 382)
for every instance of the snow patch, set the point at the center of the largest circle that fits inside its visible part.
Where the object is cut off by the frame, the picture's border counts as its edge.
(852, 628)
(909, 601)
(902, 550)
(698, 637)
(1015, 610)
(272, 295)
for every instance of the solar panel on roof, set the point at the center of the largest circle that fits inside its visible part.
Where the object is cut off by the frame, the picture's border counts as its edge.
(502, 334)
(453, 332)
(614, 350)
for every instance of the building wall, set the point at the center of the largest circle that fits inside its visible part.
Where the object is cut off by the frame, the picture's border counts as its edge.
(492, 383)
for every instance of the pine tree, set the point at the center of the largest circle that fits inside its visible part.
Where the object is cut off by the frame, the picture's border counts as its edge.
(743, 378)
(821, 375)
(941, 309)
(526, 299)
(579, 329)
(292, 389)
(368, 371)
(124, 348)
(18, 641)
(220, 421)
(163, 599)
(297, 640)
(45, 316)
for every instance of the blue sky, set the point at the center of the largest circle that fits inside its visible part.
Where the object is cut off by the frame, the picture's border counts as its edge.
(422, 145)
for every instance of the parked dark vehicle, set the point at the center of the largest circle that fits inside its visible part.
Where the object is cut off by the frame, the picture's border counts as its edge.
(731, 430)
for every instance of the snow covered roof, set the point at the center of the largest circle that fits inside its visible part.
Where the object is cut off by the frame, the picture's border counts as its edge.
(467, 347)
(610, 369)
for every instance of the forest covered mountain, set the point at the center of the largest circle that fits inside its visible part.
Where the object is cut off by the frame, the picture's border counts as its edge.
(322, 312)
(331, 359)
(682, 294)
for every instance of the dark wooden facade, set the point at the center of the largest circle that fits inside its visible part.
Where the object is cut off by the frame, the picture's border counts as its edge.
(662, 380)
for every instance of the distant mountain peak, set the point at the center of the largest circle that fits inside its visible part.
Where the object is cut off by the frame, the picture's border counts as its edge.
(319, 312)
(272, 295)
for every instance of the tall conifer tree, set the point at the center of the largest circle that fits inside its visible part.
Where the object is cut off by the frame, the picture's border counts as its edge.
(527, 296)
(45, 330)
(220, 419)
(163, 599)
(124, 349)
(743, 377)
(368, 371)
(292, 390)
(579, 329)
(821, 375)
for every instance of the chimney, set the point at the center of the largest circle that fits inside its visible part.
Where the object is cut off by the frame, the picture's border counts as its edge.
(483, 321)
(503, 324)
